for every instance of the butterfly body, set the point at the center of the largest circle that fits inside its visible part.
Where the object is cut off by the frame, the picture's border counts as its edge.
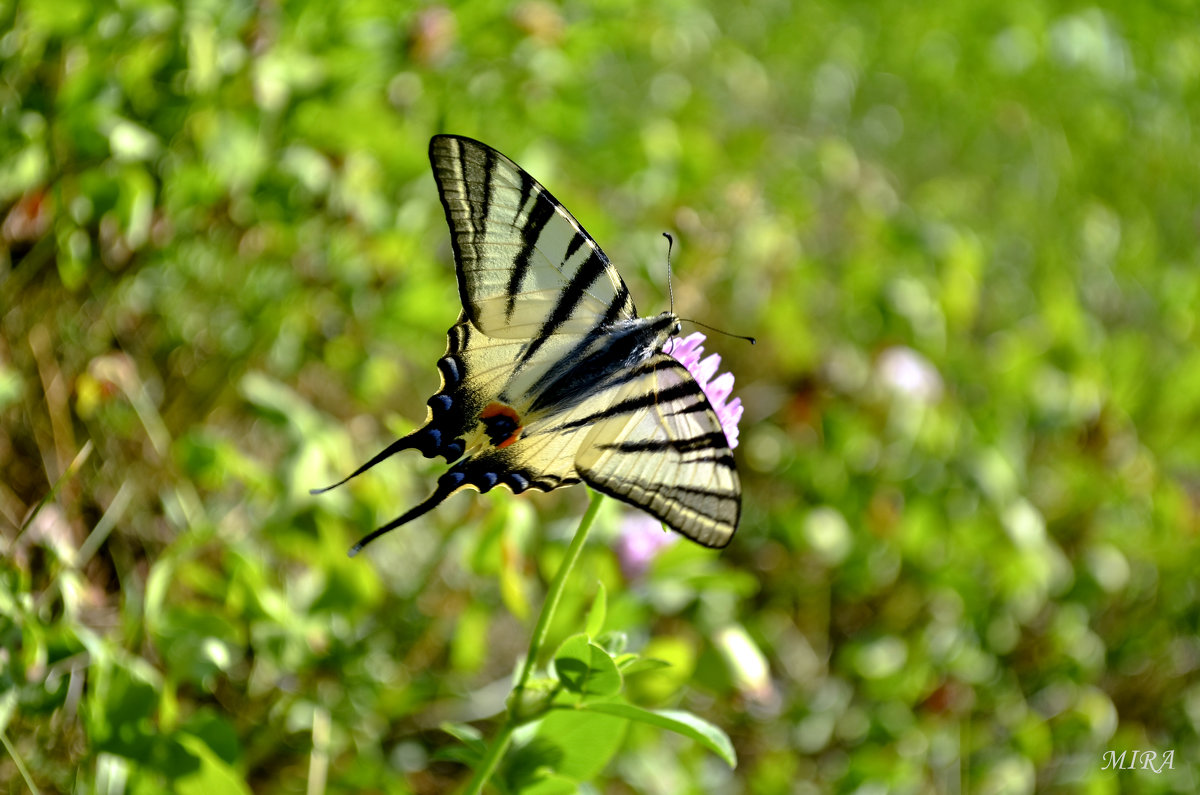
(550, 377)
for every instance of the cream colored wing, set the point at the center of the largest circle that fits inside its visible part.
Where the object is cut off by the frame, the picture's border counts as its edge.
(659, 446)
(526, 268)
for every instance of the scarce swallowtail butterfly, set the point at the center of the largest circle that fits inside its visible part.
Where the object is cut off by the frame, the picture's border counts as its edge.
(550, 377)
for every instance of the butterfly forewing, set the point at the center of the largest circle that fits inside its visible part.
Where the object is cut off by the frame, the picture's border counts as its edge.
(526, 267)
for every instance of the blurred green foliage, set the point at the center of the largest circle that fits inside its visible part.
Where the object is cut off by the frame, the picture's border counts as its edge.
(965, 235)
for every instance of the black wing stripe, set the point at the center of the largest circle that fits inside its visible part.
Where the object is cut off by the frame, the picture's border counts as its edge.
(619, 304)
(629, 405)
(707, 441)
(597, 362)
(539, 215)
(696, 491)
(489, 167)
(472, 206)
(711, 531)
(592, 269)
(444, 171)
(652, 365)
(526, 190)
(572, 247)
(723, 460)
(592, 364)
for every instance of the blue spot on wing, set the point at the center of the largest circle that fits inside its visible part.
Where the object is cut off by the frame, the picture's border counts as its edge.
(451, 371)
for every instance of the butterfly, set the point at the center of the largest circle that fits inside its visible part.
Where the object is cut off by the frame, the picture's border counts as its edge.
(550, 377)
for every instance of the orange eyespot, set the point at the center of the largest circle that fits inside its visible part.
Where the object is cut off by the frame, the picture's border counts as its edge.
(501, 423)
(499, 410)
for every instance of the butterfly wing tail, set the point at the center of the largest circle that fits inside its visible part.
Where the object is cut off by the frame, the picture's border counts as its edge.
(428, 439)
(469, 474)
(446, 487)
(404, 443)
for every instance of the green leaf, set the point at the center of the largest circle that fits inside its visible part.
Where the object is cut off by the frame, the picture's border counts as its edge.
(457, 753)
(467, 735)
(216, 732)
(552, 784)
(657, 686)
(633, 664)
(121, 705)
(614, 642)
(599, 612)
(585, 668)
(213, 775)
(570, 743)
(677, 721)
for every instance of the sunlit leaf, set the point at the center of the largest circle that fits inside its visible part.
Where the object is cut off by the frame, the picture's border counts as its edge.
(572, 743)
(677, 721)
(467, 735)
(213, 775)
(635, 664)
(552, 784)
(585, 668)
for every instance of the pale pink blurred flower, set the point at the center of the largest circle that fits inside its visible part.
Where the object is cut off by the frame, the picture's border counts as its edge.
(641, 537)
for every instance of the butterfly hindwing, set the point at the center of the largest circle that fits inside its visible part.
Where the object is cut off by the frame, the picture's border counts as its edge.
(660, 446)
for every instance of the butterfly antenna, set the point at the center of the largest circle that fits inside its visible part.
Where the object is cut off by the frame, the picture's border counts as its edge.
(446, 487)
(400, 444)
(671, 294)
(670, 290)
(748, 339)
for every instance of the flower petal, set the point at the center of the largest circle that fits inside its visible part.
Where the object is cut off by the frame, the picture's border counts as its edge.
(688, 352)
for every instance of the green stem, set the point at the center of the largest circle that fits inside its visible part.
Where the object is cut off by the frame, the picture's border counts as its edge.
(514, 717)
(554, 595)
(495, 751)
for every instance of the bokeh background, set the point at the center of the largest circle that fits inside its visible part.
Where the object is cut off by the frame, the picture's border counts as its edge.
(965, 235)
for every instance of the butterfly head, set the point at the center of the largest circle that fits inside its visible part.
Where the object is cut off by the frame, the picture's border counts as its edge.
(656, 331)
(667, 325)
